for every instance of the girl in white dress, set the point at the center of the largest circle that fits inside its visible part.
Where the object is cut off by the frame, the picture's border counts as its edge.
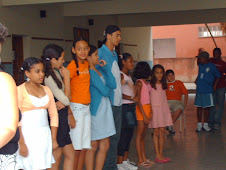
(36, 139)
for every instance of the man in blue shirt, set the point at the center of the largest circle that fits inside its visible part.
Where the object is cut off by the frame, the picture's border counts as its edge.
(207, 80)
(107, 52)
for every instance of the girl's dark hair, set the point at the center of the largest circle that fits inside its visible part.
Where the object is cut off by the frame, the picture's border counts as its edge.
(74, 55)
(92, 49)
(26, 66)
(169, 71)
(142, 70)
(3, 33)
(154, 80)
(49, 52)
(124, 57)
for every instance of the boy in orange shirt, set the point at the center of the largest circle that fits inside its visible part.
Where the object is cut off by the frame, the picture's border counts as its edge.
(174, 94)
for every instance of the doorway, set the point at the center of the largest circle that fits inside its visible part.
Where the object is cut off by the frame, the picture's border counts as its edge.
(17, 45)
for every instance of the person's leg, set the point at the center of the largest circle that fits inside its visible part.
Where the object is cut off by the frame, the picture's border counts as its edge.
(199, 114)
(86, 137)
(206, 117)
(161, 142)
(143, 143)
(102, 152)
(69, 154)
(156, 143)
(221, 98)
(176, 115)
(206, 114)
(139, 135)
(199, 117)
(121, 146)
(111, 159)
(57, 154)
(90, 155)
(77, 154)
(76, 133)
(81, 159)
(213, 110)
(128, 141)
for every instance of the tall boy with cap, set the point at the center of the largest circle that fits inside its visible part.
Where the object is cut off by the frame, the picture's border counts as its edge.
(207, 80)
(112, 35)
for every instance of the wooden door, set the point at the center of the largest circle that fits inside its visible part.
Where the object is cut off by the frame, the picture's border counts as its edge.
(18, 56)
(81, 32)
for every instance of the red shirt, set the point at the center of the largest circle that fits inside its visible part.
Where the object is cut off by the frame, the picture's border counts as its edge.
(175, 90)
(221, 66)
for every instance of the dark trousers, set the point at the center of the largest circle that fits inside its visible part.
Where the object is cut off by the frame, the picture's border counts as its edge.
(125, 139)
(111, 159)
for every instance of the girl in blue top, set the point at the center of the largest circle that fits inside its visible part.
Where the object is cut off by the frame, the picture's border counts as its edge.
(102, 126)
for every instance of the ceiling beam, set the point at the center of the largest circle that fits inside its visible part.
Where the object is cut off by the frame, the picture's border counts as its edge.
(138, 6)
(32, 2)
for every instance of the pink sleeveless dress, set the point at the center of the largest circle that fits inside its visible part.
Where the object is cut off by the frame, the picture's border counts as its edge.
(161, 116)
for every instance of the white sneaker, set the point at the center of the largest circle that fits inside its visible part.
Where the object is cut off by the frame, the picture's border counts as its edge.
(122, 167)
(129, 165)
(206, 127)
(199, 127)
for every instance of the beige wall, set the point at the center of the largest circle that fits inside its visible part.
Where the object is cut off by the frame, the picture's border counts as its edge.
(142, 38)
(26, 21)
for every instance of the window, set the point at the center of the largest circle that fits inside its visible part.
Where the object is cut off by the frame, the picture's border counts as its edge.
(215, 30)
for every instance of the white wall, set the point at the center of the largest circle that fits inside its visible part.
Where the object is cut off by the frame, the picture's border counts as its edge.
(140, 36)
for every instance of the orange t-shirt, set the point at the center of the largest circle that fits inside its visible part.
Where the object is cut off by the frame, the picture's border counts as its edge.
(175, 90)
(80, 92)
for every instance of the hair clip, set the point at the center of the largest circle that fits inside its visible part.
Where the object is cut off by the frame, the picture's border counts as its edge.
(21, 68)
(47, 59)
(121, 56)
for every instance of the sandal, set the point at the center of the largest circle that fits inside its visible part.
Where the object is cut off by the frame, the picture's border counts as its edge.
(150, 162)
(144, 165)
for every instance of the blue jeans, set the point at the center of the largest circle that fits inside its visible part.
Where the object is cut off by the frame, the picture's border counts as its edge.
(216, 112)
(111, 159)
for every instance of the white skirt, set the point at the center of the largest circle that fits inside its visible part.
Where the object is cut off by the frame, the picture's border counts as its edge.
(37, 137)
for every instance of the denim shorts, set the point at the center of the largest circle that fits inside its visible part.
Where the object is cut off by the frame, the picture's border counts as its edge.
(129, 119)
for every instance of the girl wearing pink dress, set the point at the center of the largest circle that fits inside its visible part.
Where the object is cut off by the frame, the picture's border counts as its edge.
(161, 116)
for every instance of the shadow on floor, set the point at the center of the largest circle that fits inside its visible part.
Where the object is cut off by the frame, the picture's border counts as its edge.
(189, 150)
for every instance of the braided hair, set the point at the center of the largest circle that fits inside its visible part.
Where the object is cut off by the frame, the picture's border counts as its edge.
(74, 55)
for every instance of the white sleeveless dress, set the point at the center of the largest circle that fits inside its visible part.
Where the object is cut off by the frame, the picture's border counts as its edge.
(37, 136)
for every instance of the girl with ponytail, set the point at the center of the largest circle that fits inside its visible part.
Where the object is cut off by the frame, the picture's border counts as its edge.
(59, 83)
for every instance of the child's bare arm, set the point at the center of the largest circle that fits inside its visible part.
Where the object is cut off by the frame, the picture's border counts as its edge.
(215, 84)
(138, 95)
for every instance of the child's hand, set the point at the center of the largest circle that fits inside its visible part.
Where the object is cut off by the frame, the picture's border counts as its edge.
(214, 88)
(23, 150)
(146, 120)
(102, 63)
(55, 144)
(72, 121)
(65, 73)
(59, 105)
